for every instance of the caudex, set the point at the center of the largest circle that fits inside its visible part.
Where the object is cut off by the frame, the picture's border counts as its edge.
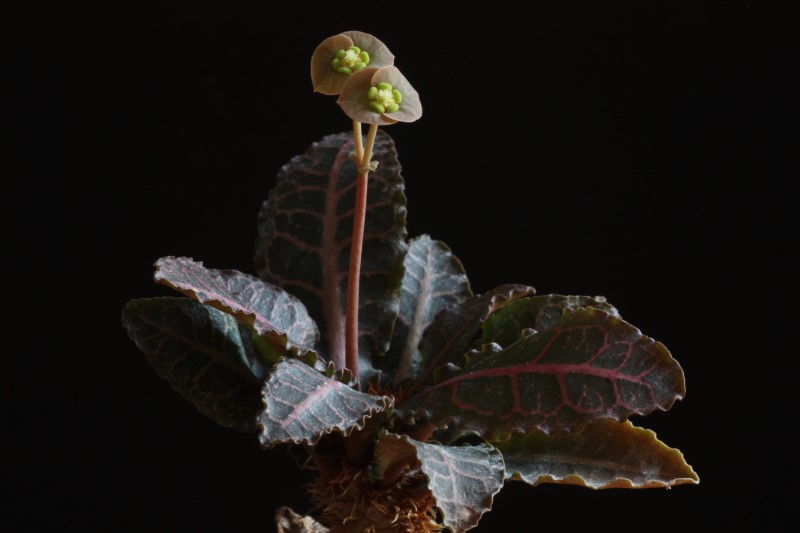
(412, 399)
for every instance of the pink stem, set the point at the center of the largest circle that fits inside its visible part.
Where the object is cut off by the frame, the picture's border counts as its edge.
(354, 274)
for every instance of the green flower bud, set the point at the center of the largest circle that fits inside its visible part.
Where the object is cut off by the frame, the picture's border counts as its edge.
(380, 96)
(384, 98)
(352, 50)
(351, 60)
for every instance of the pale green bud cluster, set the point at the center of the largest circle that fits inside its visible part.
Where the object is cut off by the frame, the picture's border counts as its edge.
(383, 98)
(351, 60)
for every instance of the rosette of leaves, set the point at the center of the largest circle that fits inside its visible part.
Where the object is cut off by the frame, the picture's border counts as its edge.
(458, 393)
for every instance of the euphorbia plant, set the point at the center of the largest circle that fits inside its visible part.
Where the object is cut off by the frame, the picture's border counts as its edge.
(411, 398)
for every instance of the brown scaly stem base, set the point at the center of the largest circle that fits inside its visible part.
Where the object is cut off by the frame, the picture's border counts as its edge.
(349, 501)
(346, 498)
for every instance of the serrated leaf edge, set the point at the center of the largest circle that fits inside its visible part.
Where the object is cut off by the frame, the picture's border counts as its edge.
(244, 316)
(491, 496)
(388, 404)
(618, 482)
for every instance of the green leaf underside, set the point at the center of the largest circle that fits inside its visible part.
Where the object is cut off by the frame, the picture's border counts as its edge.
(302, 405)
(605, 454)
(434, 279)
(275, 315)
(203, 353)
(538, 313)
(462, 479)
(452, 331)
(305, 231)
(588, 365)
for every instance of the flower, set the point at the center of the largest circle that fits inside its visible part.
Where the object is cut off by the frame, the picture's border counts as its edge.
(380, 96)
(338, 57)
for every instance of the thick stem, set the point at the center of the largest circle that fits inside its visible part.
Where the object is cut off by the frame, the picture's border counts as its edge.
(423, 432)
(358, 446)
(354, 274)
(393, 473)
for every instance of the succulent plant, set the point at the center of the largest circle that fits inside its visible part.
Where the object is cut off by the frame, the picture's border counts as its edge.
(436, 397)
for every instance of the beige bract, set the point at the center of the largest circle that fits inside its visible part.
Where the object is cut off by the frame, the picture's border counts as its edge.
(380, 96)
(340, 56)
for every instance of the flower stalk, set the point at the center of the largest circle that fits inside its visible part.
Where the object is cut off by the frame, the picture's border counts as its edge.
(363, 160)
(360, 69)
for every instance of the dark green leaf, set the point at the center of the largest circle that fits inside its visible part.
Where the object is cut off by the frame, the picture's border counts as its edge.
(302, 405)
(539, 313)
(204, 354)
(434, 279)
(588, 365)
(452, 331)
(462, 479)
(305, 229)
(278, 318)
(605, 454)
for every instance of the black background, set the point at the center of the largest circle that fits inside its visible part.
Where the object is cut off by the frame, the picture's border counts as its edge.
(638, 157)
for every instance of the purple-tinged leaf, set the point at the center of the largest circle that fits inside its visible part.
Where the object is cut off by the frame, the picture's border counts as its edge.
(302, 405)
(588, 365)
(305, 229)
(453, 330)
(205, 354)
(539, 313)
(606, 454)
(277, 317)
(434, 279)
(462, 479)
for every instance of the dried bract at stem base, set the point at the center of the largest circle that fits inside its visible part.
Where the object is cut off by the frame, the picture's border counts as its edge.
(351, 501)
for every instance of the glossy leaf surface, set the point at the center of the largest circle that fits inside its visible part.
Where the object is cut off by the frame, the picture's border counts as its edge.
(304, 235)
(451, 333)
(588, 365)
(276, 315)
(434, 279)
(539, 313)
(462, 479)
(605, 454)
(204, 354)
(302, 405)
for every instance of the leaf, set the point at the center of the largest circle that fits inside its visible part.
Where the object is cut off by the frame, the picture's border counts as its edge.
(588, 365)
(434, 279)
(305, 230)
(538, 313)
(275, 315)
(462, 479)
(605, 454)
(302, 405)
(204, 354)
(452, 331)
(287, 521)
